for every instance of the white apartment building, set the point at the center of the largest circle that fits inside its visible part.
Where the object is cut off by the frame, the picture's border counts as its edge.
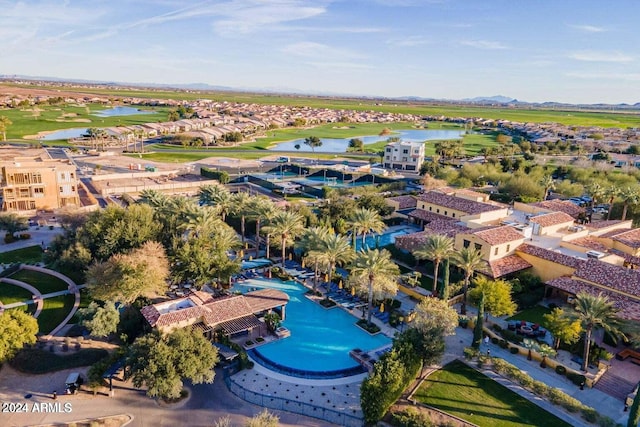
(402, 155)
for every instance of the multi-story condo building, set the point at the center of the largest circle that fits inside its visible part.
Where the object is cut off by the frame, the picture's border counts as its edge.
(402, 155)
(32, 183)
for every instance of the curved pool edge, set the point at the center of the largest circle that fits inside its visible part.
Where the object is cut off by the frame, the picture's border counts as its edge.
(264, 361)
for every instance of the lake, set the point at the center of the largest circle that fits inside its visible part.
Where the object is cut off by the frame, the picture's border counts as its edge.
(121, 111)
(340, 145)
(64, 134)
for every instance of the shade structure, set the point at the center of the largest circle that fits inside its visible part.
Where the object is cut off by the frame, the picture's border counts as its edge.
(382, 308)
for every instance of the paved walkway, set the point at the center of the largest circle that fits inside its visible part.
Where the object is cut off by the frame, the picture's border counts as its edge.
(603, 403)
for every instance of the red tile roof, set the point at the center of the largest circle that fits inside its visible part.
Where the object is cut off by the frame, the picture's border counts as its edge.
(427, 216)
(629, 308)
(553, 218)
(498, 235)
(590, 243)
(550, 255)
(469, 207)
(611, 276)
(213, 311)
(597, 225)
(504, 266)
(629, 238)
(404, 202)
(560, 206)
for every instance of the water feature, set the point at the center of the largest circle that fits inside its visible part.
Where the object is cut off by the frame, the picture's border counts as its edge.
(64, 134)
(121, 111)
(386, 238)
(340, 145)
(320, 339)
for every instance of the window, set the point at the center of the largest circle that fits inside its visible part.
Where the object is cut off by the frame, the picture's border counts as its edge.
(404, 159)
(453, 214)
(508, 248)
(430, 209)
(405, 151)
(495, 251)
(446, 213)
(388, 149)
(466, 243)
(438, 210)
(478, 246)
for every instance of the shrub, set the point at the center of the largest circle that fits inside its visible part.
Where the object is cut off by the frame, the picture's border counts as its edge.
(511, 336)
(561, 370)
(540, 388)
(589, 414)
(470, 353)
(411, 418)
(514, 350)
(503, 344)
(25, 236)
(577, 379)
(9, 238)
(496, 327)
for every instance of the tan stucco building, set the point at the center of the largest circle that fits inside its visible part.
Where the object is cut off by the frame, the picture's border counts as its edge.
(33, 183)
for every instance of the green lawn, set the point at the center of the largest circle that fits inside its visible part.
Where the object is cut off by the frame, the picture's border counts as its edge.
(568, 116)
(52, 118)
(472, 396)
(43, 282)
(54, 311)
(533, 315)
(31, 254)
(36, 361)
(11, 293)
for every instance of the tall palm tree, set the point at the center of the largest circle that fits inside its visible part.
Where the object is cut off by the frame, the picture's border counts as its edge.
(595, 312)
(613, 192)
(202, 222)
(436, 248)
(218, 196)
(469, 260)
(261, 210)
(548, 183)
(376, 270)
(286, 225)
(241, 207)
(311, 244)
(630, 197)
(363, 221)
(335, 250)
(4, 124)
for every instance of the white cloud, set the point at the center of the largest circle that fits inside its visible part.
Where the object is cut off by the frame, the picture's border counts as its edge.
(484, 44)
(589, 28)
(631, 77)
(598, 56)
(409, 41)
(319, 50)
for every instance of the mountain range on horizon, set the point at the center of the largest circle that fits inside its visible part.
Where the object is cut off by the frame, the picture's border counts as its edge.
(480, 100)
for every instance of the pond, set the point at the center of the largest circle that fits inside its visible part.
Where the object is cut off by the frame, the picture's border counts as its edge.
(64, 134)
(121, 111)
(340, 145)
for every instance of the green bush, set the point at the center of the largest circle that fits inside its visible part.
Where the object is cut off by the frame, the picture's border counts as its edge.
(561, 370)
(410, 418)
(511, 336)
(470, 353)
(496, 327)
(495, 340)
(8, 238)
(590, 414)
(503, 344)
(25, 236)
(577, 379)
(514, 350)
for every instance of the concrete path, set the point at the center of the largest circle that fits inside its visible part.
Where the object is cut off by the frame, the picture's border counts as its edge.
(603, 403)
(40, 236)
(35, 292)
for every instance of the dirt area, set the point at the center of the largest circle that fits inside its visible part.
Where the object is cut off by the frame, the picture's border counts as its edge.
(8, 153)
(114, 421)
(33, 91)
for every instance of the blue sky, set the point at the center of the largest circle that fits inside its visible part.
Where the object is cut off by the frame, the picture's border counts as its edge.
(579, 51)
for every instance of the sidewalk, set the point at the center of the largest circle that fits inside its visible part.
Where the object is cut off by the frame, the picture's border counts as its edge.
(603, 403)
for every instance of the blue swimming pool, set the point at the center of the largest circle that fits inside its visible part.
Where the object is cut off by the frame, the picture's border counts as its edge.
(384, 239)
(320, 339)
(256, 263)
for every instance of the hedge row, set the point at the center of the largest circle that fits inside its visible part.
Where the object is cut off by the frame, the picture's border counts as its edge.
(554, 395)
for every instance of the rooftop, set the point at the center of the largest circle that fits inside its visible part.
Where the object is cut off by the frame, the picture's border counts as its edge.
(498, 235)
(560, 206)
(504, 266)
(553, 218)
(629, 238)
(551, 255)
(470, 207)
(616, 277)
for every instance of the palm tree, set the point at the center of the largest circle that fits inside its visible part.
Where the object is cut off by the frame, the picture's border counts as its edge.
(261, 210)
(311, 244)
(469, 260)
(548, 183)
(375, 269)
(335, 250)
(630, 197)
(436, 248)
(363, 221)
(241, 207)
(287, 225)
(597, 192)
(613, 192)
(201, 222)
(595, 312)
(4, 124)
(218, 196)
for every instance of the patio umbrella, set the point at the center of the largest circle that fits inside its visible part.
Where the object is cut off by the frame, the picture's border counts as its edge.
(241, 254)
(302, 263)
(340, 285)
(290, 256)
(246, 245)
(326, 277)
(250, 257)
(381, 307)
(353, 291)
